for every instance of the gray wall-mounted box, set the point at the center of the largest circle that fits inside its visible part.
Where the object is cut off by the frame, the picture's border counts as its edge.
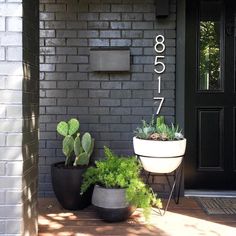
(162, 8)
(110, 59)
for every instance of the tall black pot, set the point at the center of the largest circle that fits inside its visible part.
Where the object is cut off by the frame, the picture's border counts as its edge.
(66, 182)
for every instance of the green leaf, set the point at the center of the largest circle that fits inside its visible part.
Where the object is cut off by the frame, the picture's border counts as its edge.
(62, 128)
(86, 142)
(73, 126)
(68, 145)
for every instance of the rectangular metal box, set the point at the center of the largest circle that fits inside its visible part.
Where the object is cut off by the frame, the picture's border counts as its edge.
(110, 59)
(162, 8)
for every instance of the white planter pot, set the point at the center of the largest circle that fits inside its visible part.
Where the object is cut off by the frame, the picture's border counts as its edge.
(159, 156)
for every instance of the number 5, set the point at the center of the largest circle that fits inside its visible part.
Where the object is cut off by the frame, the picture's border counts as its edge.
(159, 63)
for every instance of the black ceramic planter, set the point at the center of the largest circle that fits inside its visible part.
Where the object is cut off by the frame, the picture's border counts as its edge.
(111, 205)
(66, 182)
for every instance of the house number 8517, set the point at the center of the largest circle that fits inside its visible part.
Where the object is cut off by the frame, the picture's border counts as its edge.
(159, 67)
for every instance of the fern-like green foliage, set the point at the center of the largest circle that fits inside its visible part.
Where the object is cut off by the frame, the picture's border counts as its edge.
(159, 128)
(121, 172)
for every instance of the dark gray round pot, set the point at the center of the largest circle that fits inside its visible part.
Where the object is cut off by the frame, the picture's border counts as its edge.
(111, 204)
(66, 182)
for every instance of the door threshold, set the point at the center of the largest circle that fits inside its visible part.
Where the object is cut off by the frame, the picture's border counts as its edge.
(209, 193)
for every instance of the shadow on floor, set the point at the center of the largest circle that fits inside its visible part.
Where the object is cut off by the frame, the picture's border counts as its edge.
(53, 220)
(187, 218)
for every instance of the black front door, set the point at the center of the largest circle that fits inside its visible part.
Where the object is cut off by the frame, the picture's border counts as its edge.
(210, 114)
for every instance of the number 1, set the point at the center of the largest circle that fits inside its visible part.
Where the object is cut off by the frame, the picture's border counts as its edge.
(159, 84)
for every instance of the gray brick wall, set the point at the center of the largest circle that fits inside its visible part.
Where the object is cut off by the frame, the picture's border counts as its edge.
(109, 105)
(19, 99)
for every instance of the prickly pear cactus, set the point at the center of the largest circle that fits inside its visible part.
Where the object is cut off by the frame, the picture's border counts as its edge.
(73, 126)
(62, 128)
(68, 147)
(83, 149)
(82, 159)
(77, 146)
(91, 148)
(68, 128)
(86, 142)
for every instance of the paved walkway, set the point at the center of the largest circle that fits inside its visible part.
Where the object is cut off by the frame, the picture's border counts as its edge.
(185, 219)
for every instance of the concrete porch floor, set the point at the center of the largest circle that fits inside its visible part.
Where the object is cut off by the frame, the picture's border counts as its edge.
(187, 218)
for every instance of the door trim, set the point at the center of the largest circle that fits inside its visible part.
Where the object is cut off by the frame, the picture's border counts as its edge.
(180, 66)
(180, 70)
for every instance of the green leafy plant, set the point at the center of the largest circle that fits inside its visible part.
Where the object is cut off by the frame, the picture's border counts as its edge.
(121, 172)
(157, 129)
(76, 150)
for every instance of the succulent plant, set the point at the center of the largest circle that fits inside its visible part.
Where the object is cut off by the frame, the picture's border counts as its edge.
(146, 130)
(155, 136)
(73, 145)
(156, 129)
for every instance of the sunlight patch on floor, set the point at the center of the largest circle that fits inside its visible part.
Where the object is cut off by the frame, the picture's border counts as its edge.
(180, 224)
(185, 219)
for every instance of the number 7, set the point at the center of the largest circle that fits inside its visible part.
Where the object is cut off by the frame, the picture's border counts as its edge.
(161, 103)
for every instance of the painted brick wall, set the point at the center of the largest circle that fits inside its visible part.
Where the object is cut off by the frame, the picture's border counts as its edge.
(109, 105)
(19, 99)
(30, 101)
(11, 73)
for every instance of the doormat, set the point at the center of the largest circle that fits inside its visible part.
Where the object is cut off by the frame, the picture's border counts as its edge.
(218, 206)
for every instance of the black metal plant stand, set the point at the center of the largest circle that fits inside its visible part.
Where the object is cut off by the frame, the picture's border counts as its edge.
(175, 187)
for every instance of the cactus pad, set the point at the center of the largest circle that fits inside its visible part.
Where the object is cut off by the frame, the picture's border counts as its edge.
(73, 126)
(82, 159)
(91, 148)
(68, 145)
(62, 128)
(77, 146)
(86, 142)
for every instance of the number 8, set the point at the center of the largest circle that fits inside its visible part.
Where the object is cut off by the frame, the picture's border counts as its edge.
(161, 43)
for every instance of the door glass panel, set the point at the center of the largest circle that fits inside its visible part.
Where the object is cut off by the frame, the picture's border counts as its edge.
(210, 46)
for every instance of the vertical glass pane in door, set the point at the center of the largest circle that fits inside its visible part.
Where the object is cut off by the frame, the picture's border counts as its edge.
(210, 46)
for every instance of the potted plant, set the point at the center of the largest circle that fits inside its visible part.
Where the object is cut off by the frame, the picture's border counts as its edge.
(159, 146)
(118, 187)
(67, 176)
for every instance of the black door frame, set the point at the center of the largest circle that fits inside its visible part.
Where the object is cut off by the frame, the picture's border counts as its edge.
(180, 68)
